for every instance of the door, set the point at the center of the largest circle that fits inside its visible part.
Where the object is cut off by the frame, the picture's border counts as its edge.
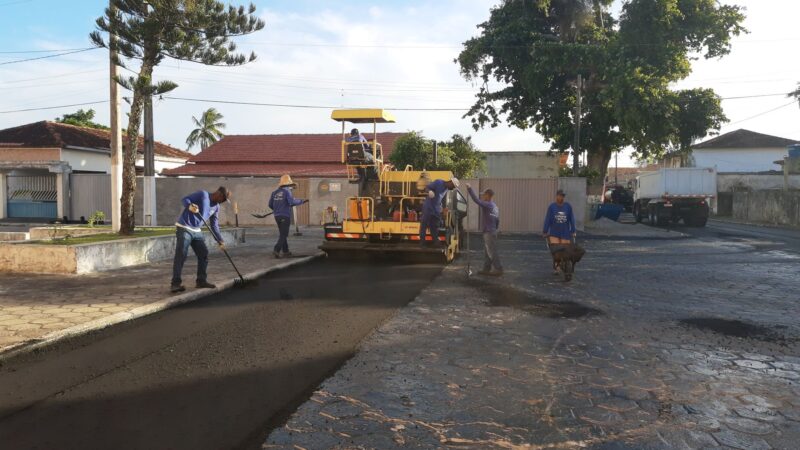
(32, 196)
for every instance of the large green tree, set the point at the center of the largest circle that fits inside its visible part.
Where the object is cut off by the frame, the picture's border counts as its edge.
(81, 118)
(149, 31)
(458, 155)
(209, 129)
(530, 52)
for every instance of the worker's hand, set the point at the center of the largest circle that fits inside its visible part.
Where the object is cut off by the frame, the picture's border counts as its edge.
(194, 208)
(574, 235)
(468, 185)
(431, 194)
(545, 235)
(221, 245)
(305, 201)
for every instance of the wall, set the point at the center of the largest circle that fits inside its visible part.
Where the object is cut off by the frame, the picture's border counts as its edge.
(251, 195)
(754, 182)
(29, 154)
(520, 165)
(745, 160)
(575, 188)
(89, 193)
(522, 202)
(87, 161)
(775, 207)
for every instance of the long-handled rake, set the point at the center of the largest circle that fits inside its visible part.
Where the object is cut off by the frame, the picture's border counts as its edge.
(237, 282)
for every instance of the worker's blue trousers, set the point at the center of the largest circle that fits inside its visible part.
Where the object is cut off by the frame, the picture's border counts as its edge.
(429, 223)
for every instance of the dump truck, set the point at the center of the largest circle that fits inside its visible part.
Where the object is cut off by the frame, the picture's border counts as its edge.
(670, 195)
(385, 214)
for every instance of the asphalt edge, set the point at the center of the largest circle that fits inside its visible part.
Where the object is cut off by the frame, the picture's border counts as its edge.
(141, 311)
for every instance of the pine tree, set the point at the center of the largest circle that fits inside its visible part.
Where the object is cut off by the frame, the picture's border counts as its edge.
(149, 31)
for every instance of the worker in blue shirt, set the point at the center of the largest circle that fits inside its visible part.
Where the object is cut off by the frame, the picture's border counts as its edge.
(197, 207)
(281, 202)
(432, 209)
(490, 225)
(559, 222)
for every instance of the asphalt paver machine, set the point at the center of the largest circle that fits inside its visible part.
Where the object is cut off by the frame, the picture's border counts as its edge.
(385, 214)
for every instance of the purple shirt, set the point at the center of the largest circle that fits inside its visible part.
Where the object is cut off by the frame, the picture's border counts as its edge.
(490, 213)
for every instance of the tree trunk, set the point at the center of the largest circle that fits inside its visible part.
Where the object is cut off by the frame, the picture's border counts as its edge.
(127, 211)
(598, 161)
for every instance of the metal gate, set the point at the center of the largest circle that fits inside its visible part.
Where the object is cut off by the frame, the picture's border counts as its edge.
(32, 197)
(522, 202)
(89, 193)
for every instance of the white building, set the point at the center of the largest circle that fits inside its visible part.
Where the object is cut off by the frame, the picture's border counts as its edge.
(741, 151)
(38, 159)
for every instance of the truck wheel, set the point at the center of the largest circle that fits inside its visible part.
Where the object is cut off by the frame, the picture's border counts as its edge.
(660, 219)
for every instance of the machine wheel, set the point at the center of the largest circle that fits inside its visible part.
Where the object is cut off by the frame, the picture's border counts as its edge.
(567, 267)
(659, 219)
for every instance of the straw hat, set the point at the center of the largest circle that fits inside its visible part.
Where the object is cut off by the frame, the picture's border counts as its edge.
(286, 181)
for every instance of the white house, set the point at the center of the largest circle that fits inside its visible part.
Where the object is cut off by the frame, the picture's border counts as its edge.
(38, 159)
(741, 151)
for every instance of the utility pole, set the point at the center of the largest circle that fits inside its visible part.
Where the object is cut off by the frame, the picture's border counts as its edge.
(149, 180)
(435, 154)
(576, 146)
(116, 136)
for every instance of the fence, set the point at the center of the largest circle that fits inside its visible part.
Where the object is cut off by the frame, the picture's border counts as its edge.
(89, 193)
(33, 196)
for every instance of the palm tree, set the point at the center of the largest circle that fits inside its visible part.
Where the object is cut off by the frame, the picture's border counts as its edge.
(208, 129)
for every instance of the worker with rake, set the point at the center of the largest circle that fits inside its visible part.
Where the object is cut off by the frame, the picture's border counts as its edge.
(490, 224)
(199, 208)
(281, 202)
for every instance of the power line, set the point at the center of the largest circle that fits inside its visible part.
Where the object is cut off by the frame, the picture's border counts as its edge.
(48, 56)
(763, 113)
(279, 105)
(42, 51)
(54, 107)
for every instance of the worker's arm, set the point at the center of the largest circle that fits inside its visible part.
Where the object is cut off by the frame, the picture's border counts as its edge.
(213, 220)
(477, 199)
(291, 200)
(571, 219)
(204, 205)
(548, 219)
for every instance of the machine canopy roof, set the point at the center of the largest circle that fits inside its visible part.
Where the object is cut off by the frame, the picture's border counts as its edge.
(362, 116)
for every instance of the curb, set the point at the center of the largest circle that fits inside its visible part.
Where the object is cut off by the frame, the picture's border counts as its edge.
(139, 312)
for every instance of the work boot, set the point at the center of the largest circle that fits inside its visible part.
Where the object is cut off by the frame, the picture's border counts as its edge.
(276, 255)
(286, 255)
(175, 288)
(205, 285)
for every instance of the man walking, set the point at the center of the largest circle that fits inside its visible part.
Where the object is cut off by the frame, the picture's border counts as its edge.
(281, 202)
(198, 208)
(559, 224)
(432, 209)
(490, 224)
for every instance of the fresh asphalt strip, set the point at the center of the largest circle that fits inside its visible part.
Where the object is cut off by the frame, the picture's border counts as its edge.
(217, 373)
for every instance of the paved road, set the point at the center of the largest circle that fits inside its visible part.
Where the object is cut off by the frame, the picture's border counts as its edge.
(219, 373)
(772, 237)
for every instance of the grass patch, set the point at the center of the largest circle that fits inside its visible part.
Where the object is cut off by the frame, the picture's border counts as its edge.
(105, 237)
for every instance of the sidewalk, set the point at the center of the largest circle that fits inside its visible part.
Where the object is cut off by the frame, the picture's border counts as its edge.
(37, 307)
(681, 344)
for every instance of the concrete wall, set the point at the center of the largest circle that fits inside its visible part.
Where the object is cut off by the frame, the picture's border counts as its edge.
(251, 195)
(739, 159)
(520, 165)
(754, 182)
(84, 160)
(575, 188)
(776, 207)
(96, 257)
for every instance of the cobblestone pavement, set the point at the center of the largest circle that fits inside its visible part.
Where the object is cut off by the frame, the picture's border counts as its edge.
(31, 306)
(656, 344)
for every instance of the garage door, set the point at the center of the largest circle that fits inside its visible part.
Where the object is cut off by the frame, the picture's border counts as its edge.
(32, 197)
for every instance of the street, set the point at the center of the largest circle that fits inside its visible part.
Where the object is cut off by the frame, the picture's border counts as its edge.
(215, 374)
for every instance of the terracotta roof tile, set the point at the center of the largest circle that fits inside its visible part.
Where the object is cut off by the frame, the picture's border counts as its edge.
(745, 139)
(54, 134)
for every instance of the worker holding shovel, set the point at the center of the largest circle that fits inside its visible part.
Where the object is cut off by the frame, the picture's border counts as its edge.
(198, 208)
(281, 202)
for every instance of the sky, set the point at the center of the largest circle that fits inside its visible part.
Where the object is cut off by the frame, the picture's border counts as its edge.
(383, 54)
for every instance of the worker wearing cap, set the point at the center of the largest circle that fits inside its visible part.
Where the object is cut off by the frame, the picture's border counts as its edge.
(199, 208)
(559, 222)
(432, 208)
(281, 202)
(490, 225)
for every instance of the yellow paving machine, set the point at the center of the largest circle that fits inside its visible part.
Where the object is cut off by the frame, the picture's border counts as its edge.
(385, 215)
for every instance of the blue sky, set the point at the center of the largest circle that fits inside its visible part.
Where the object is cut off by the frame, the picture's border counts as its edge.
(356, 53)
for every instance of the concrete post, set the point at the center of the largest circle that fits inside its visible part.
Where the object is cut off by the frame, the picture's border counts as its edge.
(62, 186)
(150, 217)
(3, 196)
(116, 137)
